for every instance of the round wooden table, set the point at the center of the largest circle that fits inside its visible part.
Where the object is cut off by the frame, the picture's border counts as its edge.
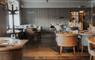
(84, 39)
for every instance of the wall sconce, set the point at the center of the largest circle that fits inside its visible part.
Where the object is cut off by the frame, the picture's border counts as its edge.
(61, 17)
(81, 11)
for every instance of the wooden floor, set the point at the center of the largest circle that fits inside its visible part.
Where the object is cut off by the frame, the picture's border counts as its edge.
(47, 49)
(49, 53)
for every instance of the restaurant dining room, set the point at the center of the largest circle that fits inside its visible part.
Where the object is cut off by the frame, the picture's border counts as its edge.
(47, 29)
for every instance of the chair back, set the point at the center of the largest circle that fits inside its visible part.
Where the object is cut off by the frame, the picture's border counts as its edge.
(66, 40)
(29, 31)
(84, 40)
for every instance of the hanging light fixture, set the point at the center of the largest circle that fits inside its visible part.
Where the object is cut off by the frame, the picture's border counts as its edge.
(47, 1)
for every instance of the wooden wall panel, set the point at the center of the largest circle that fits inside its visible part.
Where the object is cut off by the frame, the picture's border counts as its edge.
(46, 16)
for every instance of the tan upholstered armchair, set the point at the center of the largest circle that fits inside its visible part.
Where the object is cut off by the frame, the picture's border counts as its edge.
(66, 40)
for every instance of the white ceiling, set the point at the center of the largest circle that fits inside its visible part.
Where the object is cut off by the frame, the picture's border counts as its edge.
(53, 0)
(56, 3)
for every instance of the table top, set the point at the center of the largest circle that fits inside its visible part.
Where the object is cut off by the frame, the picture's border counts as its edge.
(17, 45)
(80, 33)
(11, 31)
(91, 40)
(86, 33)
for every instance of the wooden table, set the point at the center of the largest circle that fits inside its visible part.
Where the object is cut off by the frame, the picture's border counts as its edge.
(11, 32)
(12, 52)
(84, 37)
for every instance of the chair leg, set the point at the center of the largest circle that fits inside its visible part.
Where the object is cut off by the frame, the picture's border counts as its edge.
(82, 49)
(74, 50)
(60, 49)
(91, 57)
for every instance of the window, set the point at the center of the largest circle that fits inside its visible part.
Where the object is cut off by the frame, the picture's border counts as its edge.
(16, 15)
(16, 20)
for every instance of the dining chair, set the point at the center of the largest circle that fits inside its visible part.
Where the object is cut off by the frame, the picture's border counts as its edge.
(91, 47)
(84, 42)
(66, 40)
(30, 34)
